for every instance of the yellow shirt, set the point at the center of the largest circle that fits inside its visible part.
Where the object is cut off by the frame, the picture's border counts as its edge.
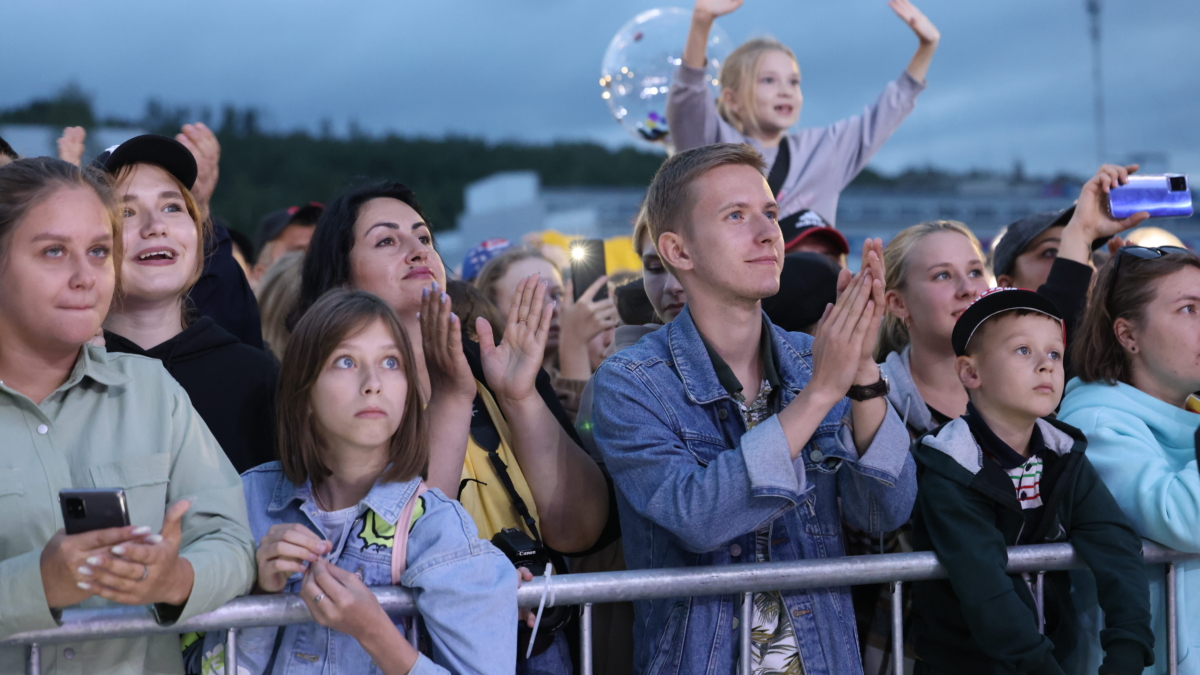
(489, 505)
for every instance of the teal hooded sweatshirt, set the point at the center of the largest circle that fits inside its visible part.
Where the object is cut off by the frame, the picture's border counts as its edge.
(1144, 451)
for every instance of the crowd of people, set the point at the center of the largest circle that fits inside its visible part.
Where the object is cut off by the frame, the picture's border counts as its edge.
(328, 407)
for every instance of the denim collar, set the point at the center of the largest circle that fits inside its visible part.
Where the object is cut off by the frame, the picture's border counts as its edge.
(387, 500)
(699, 372)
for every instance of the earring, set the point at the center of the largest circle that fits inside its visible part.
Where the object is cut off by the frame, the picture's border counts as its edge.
(1133, 349)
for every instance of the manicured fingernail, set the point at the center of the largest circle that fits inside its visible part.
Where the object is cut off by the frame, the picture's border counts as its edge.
(443, 298)
(154, 538)
(418, 315)
(425, 292)
(453, 318)
(435, 287)
(118, 550)
(84, 585)
(85, 570)
(95, 560)
(139, 531)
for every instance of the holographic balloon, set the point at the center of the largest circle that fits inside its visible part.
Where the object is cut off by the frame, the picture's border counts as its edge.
(640, 62)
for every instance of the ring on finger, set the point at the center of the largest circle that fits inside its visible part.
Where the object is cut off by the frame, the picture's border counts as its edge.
(145, 572)
(318, 597)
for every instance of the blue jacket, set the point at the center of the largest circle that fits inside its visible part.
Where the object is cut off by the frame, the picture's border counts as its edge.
(693, 486)
(465, 589)
(1144, 450)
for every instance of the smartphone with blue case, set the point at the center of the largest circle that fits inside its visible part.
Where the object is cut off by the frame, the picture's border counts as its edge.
(1162, 196)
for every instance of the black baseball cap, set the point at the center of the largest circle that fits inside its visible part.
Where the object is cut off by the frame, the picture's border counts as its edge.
(1018, 235)
(162, 151)
(808, 225)
(7, 150)
(277, 221)
(997, 301)
(807, 283)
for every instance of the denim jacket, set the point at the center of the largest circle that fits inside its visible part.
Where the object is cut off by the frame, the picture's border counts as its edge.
(693, 487)
(464, 588)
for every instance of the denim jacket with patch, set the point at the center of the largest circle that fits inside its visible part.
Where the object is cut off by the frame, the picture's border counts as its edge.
(694, 486)
(464, 588)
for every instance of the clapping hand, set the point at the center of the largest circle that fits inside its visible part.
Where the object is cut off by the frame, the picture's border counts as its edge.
(846, 335)
(920, 24)
(206, 149)
(70, 145)
(512, 366)
(441, 336)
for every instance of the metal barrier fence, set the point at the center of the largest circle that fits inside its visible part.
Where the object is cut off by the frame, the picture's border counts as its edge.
(588, 589)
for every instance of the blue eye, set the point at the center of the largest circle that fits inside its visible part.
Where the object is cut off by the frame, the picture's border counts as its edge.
(99, 252)
(343, 362)
(127, 213)
(172, 208)
(1055, 356)
(391, 363)
(1023, 351)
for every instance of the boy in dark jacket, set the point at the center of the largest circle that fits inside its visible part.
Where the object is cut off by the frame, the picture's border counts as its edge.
(1005, 475)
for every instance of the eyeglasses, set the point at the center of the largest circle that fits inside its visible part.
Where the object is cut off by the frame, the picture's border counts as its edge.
(1139, 253)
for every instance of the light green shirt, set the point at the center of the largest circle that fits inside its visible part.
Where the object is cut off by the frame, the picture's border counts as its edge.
(119, 421)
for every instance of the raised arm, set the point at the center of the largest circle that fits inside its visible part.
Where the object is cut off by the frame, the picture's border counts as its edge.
(927, 35)
(691, 111)
(568, 488)
(703, 15)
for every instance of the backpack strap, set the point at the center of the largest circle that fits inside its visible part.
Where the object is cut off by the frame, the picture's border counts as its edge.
(400, 542)
(779, 170)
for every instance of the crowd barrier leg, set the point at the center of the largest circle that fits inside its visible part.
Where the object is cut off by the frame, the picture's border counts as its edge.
(231, 658)
(897, 628)
(585, 640)
(1172, 630)
(414, 633)
(744, 627)
(1041, 601)
(33, 660)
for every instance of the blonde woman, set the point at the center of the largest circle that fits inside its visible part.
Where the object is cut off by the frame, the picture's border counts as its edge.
(760, 101)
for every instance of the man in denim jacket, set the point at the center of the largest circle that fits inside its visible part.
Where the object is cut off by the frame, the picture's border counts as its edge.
(708, 476)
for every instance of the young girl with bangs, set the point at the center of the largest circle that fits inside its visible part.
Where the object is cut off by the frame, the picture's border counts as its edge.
(760, 101)
(346, 508)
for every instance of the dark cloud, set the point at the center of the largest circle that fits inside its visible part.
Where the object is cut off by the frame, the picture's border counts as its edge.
(1011, 80)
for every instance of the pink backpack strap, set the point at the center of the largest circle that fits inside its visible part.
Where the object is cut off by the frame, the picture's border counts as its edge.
(400, 540)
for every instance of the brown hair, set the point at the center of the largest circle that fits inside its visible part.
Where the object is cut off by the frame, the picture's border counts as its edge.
(277, 296)
(893, 334)
(488, 280)
(669, 201)
(738, 78)
(1095, 351)
(336, 316)
(26, 183)
(203, 227)
(469, 304)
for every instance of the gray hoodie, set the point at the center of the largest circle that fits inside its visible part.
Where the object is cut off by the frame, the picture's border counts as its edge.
(903, 394)
(823, 159)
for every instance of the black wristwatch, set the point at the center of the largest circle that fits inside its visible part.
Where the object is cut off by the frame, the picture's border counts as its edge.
(867, 392)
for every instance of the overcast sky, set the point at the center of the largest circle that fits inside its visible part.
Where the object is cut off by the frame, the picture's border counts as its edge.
(1011, 80)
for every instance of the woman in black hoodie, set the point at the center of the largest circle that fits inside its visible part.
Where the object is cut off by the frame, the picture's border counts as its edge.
(231, 385)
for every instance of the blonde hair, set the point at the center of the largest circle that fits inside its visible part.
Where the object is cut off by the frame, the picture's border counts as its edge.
(277, 296)
(738, 77)
(641, 231)
(893, 334)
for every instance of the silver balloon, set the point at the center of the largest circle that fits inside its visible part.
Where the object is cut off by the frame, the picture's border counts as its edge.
(641, 60)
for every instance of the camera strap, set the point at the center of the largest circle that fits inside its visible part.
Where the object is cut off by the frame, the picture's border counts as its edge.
(519, 504)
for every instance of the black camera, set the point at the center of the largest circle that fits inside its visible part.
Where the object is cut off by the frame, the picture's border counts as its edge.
(75, 508)
(522, 551)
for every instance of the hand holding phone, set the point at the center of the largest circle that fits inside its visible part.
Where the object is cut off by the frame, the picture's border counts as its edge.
(587, 265)
(1162, 196)
(87, 510)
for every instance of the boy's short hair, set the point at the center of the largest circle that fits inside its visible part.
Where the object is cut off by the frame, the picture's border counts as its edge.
(997, 302)
(669, 201)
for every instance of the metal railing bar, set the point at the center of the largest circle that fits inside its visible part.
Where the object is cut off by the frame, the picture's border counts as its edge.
(575, 589)
(897, 628)
(585, 640)
(745, 621)
(1172, 630)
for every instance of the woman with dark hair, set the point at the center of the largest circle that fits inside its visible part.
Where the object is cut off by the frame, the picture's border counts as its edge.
(73, 415)
(493, 403)
(231, 384)
(1137, 356)
(345, 508)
